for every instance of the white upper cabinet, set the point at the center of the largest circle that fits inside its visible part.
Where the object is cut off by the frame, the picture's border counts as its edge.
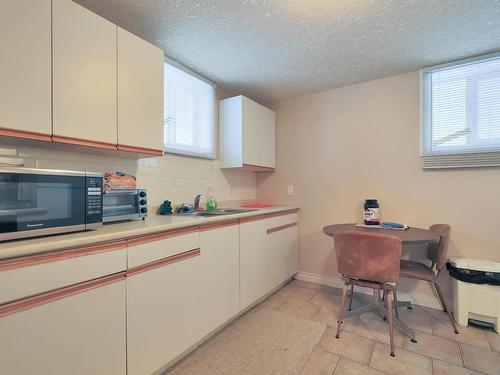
(84, 76)
(247, 132)
(268, 137)
(25, 76)
(140, 93)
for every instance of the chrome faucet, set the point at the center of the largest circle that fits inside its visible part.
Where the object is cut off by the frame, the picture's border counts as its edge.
(196, 204)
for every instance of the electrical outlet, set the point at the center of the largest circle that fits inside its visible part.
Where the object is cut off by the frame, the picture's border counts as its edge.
(290, 190)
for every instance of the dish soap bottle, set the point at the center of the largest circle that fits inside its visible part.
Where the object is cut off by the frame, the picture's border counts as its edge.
(211, 204)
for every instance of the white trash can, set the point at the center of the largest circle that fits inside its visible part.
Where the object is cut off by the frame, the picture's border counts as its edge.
(476, 291)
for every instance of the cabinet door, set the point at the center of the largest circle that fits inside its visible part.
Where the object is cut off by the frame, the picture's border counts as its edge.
(267, 137)
(25, 77)
(282, 257)
(84, 76)
(140, 93)
(251, 133)
(165, 316)
(82, 333)
(253, 277)
(220, 249)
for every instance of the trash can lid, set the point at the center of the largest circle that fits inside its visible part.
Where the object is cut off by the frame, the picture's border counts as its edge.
(475, 264)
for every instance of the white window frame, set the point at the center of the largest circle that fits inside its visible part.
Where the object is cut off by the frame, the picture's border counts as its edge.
(477, 154)
(194, 153)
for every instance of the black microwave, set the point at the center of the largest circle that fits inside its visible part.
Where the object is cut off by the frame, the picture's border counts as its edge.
(38, 202)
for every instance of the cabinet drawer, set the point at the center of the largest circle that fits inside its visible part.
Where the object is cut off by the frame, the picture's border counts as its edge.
(77, 331)
(153, 247)
(273, 223)
(36, 274)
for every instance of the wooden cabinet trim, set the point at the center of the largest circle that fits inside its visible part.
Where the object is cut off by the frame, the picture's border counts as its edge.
(288, 212)
(55, 256)
(140, 150)
(281, 227)
(253, 218)
(164, 261)
(82, 142)
(44, 298)
(257, 168)
(7, 132)
(221, 224)
(160, 236)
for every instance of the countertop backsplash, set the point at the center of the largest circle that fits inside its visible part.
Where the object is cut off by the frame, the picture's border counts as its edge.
(172, 177)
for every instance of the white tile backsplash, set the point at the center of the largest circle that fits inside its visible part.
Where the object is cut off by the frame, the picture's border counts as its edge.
(173, 177)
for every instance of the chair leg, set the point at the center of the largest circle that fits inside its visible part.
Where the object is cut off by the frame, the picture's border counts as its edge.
(341, 311)
(396, 303)
(389, 298)
(441, 298)
(351, 295)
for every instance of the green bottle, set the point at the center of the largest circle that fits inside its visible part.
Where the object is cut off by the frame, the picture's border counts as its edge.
(211, 204)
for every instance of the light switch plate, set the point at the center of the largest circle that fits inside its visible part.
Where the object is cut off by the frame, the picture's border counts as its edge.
(290, 190)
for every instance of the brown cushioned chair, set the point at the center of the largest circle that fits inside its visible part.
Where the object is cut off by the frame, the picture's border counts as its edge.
(370, 260)
(436, 253)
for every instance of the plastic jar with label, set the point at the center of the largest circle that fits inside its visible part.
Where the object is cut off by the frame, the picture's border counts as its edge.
(371, 212)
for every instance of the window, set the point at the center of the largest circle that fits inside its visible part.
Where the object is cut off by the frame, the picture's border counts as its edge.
(461, 114)
(189, 114)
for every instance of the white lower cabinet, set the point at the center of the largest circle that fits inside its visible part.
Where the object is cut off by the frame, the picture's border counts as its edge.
(165, 316)
(179, 287)
(82, 333)
(171, 307)
(220, 248)
(281, 249)
(253, 277)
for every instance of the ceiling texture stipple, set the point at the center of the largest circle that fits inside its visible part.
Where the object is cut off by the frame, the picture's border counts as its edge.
(271, 50)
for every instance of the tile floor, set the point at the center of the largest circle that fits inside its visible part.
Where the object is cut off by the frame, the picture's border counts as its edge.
(362, 348)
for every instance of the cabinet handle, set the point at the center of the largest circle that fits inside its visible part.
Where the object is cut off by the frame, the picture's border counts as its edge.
(44, 298)
(281, 227)
(163, 262)
(55, 256)
(161, 236)
(7, 132)
(82, 142)
(140, 150)
(12, 164)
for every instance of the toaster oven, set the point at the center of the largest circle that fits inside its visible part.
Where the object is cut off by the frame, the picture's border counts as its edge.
(126, 204)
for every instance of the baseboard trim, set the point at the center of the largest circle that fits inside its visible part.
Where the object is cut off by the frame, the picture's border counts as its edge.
(416, 298)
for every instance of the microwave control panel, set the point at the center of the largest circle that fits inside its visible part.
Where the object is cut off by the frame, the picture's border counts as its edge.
(94, 200)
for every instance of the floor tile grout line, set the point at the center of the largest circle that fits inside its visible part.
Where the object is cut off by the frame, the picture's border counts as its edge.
(315, 346)
(371, 355)
(461, 354)
(468, 368)
(336, 364)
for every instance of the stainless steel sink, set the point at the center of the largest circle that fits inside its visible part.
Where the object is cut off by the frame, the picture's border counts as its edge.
(219, 212)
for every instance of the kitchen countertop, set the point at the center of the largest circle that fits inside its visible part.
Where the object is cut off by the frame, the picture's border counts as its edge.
(118, 231)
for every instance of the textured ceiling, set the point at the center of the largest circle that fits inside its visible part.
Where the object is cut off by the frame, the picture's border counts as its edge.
(275, 49)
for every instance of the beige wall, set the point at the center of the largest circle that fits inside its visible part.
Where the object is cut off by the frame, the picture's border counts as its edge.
(341, 146)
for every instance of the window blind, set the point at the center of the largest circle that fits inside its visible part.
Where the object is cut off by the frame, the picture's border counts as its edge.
(461, 114)
(189, 114)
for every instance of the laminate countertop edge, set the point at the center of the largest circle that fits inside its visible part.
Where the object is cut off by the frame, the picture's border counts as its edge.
(120, 231)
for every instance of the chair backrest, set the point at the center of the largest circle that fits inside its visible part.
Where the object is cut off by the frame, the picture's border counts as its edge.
(368, 256)
(436, 252)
